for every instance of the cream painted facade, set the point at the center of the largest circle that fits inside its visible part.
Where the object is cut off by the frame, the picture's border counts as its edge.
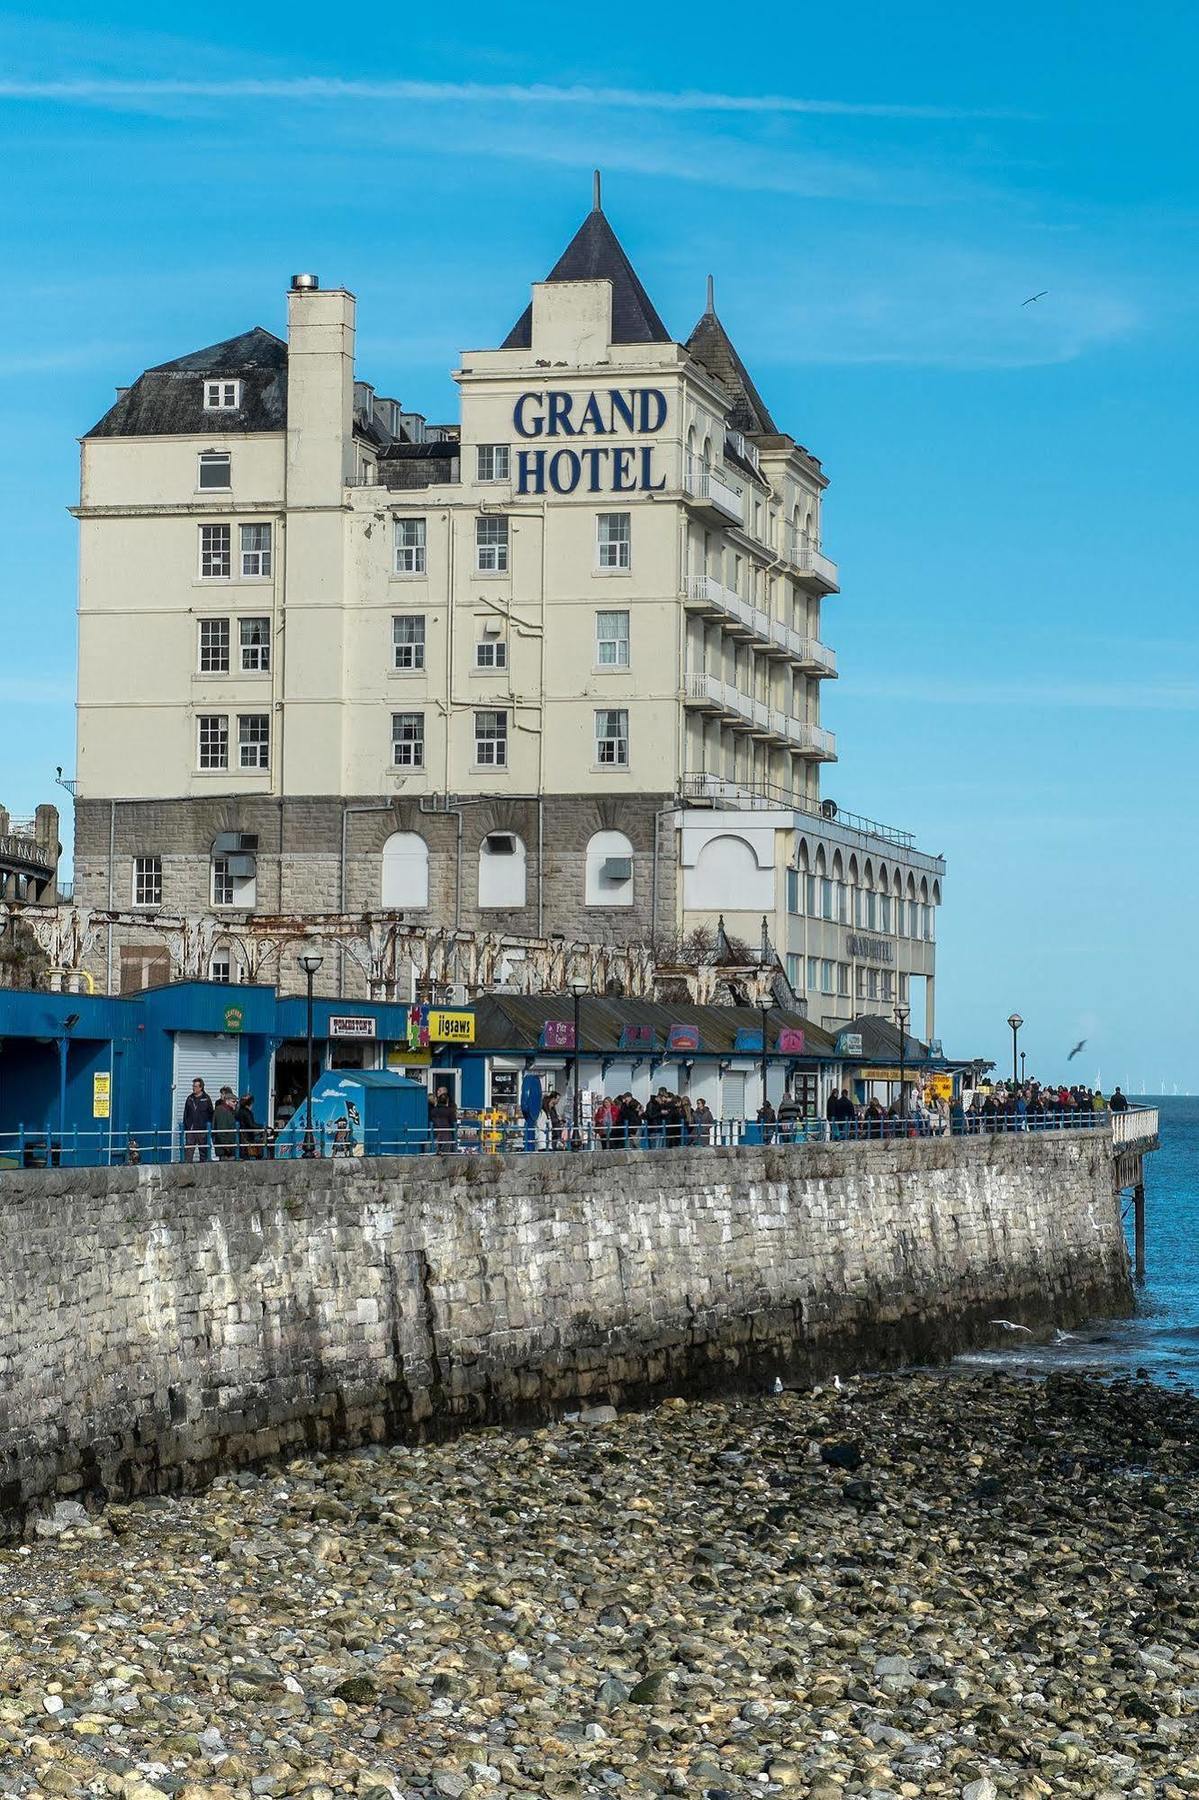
(599, 597)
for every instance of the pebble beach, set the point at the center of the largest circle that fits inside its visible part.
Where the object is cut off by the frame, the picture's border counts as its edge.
(913, 1585)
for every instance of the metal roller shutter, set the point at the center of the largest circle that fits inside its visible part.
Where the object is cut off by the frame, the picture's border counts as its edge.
(214, 1059)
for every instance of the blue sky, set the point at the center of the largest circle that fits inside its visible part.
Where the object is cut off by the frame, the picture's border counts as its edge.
(876, 190)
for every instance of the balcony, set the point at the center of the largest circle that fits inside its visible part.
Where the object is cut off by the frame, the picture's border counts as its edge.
(714, 491)
(816, 569)
(710, 598)
(707, 693)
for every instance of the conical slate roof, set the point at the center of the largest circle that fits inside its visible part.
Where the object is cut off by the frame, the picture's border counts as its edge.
(595, 254)
(711, 346)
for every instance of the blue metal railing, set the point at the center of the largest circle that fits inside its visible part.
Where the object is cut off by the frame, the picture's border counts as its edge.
(487, 1133)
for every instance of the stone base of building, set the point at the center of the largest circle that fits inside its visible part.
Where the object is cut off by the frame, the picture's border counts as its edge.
(325, 855)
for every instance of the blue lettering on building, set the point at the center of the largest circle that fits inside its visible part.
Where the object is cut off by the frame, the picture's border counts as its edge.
(596, 468)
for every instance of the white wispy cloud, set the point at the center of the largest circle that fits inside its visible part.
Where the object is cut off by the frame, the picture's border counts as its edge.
(1099, 696)
(105, 90)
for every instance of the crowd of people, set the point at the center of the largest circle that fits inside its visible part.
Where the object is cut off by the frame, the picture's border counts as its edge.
(669, 1121)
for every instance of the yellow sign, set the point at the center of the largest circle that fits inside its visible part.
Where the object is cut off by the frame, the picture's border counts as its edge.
(101, 1096)
(398, 1058)
(451, 1027)
(941, 1087)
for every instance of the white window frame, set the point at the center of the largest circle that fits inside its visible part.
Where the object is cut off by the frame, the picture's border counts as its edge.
(413, 648)
(221, 719)
(224, 894)
(493, 462)
(410, 558)
(218, 961)
(147, 882)
(491, 653)
(255, 657)
(617, 644)
(253, 751)
(614, 542)
(221, 396)
(491, 750)
(210, 555)
(256, 564)
(212, 459)
(491, 544)
(609, 735)
(205, 653)
(414, 744)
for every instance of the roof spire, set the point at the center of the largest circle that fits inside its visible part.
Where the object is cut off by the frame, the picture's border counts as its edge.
(711, 307)
(597, 204)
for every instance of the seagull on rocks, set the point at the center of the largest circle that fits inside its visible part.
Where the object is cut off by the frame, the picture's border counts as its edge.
(1008, 1326)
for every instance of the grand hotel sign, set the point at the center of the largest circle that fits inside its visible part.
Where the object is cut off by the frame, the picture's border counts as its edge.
(586, 466)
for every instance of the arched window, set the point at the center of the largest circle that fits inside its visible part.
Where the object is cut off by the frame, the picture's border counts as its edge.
(405, 871)
(609, 870)
(501, 870)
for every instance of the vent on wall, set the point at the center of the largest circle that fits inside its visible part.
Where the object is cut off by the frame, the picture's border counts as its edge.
(500, 843)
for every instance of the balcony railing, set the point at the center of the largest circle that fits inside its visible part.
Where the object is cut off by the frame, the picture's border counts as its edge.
(705, 786)
(714, 695)
(711, 596)
(714, 486)
(804, 557)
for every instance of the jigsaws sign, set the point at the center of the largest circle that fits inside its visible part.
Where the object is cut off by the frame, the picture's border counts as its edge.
(592, 468)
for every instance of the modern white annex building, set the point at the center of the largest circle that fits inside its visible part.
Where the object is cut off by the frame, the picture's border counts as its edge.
(554, 669)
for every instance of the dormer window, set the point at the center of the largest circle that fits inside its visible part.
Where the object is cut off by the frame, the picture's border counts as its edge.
(222, 396)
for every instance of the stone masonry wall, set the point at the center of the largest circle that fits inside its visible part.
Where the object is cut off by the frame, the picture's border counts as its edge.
(299, 862)
(159, 1324)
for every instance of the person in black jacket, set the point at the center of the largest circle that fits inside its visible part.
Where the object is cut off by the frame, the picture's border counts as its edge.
(197, 1118)
(443, 1117)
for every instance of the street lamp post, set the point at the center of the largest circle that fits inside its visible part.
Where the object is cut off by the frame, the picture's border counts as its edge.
(578, 988)
(765, 1012)
(310, 962)
(902, 1014)
(1015, 1021)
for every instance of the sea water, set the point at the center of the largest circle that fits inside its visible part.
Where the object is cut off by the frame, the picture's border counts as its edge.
(1162, 1340)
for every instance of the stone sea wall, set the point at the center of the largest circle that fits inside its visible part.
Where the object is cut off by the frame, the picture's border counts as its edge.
(158, 1324)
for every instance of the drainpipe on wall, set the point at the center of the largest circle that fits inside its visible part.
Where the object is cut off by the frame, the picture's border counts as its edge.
(112, 850)
(662, 813)
(376, 806)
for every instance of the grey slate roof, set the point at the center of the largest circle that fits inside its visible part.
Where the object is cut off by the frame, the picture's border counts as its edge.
(594, 254)
(515, 1021)
(168, 400)
(711, 346)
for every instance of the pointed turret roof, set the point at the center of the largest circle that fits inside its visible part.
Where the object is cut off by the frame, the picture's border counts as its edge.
(595, 253)
(712, 347)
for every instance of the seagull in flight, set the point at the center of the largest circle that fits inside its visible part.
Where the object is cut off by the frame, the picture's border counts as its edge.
(1008, 1326)
(1080, 1045)
(1033, 297)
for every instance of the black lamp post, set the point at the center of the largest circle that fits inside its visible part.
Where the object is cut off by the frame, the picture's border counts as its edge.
(765, 1012)
(1021, 1068)
(578, 988)
(902, 1015)
(1015, 1021)
(310, 962)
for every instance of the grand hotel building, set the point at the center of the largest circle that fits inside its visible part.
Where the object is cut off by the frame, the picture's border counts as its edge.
(554, 669)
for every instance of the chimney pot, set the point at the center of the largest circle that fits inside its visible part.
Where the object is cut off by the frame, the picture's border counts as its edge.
(301, 283)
